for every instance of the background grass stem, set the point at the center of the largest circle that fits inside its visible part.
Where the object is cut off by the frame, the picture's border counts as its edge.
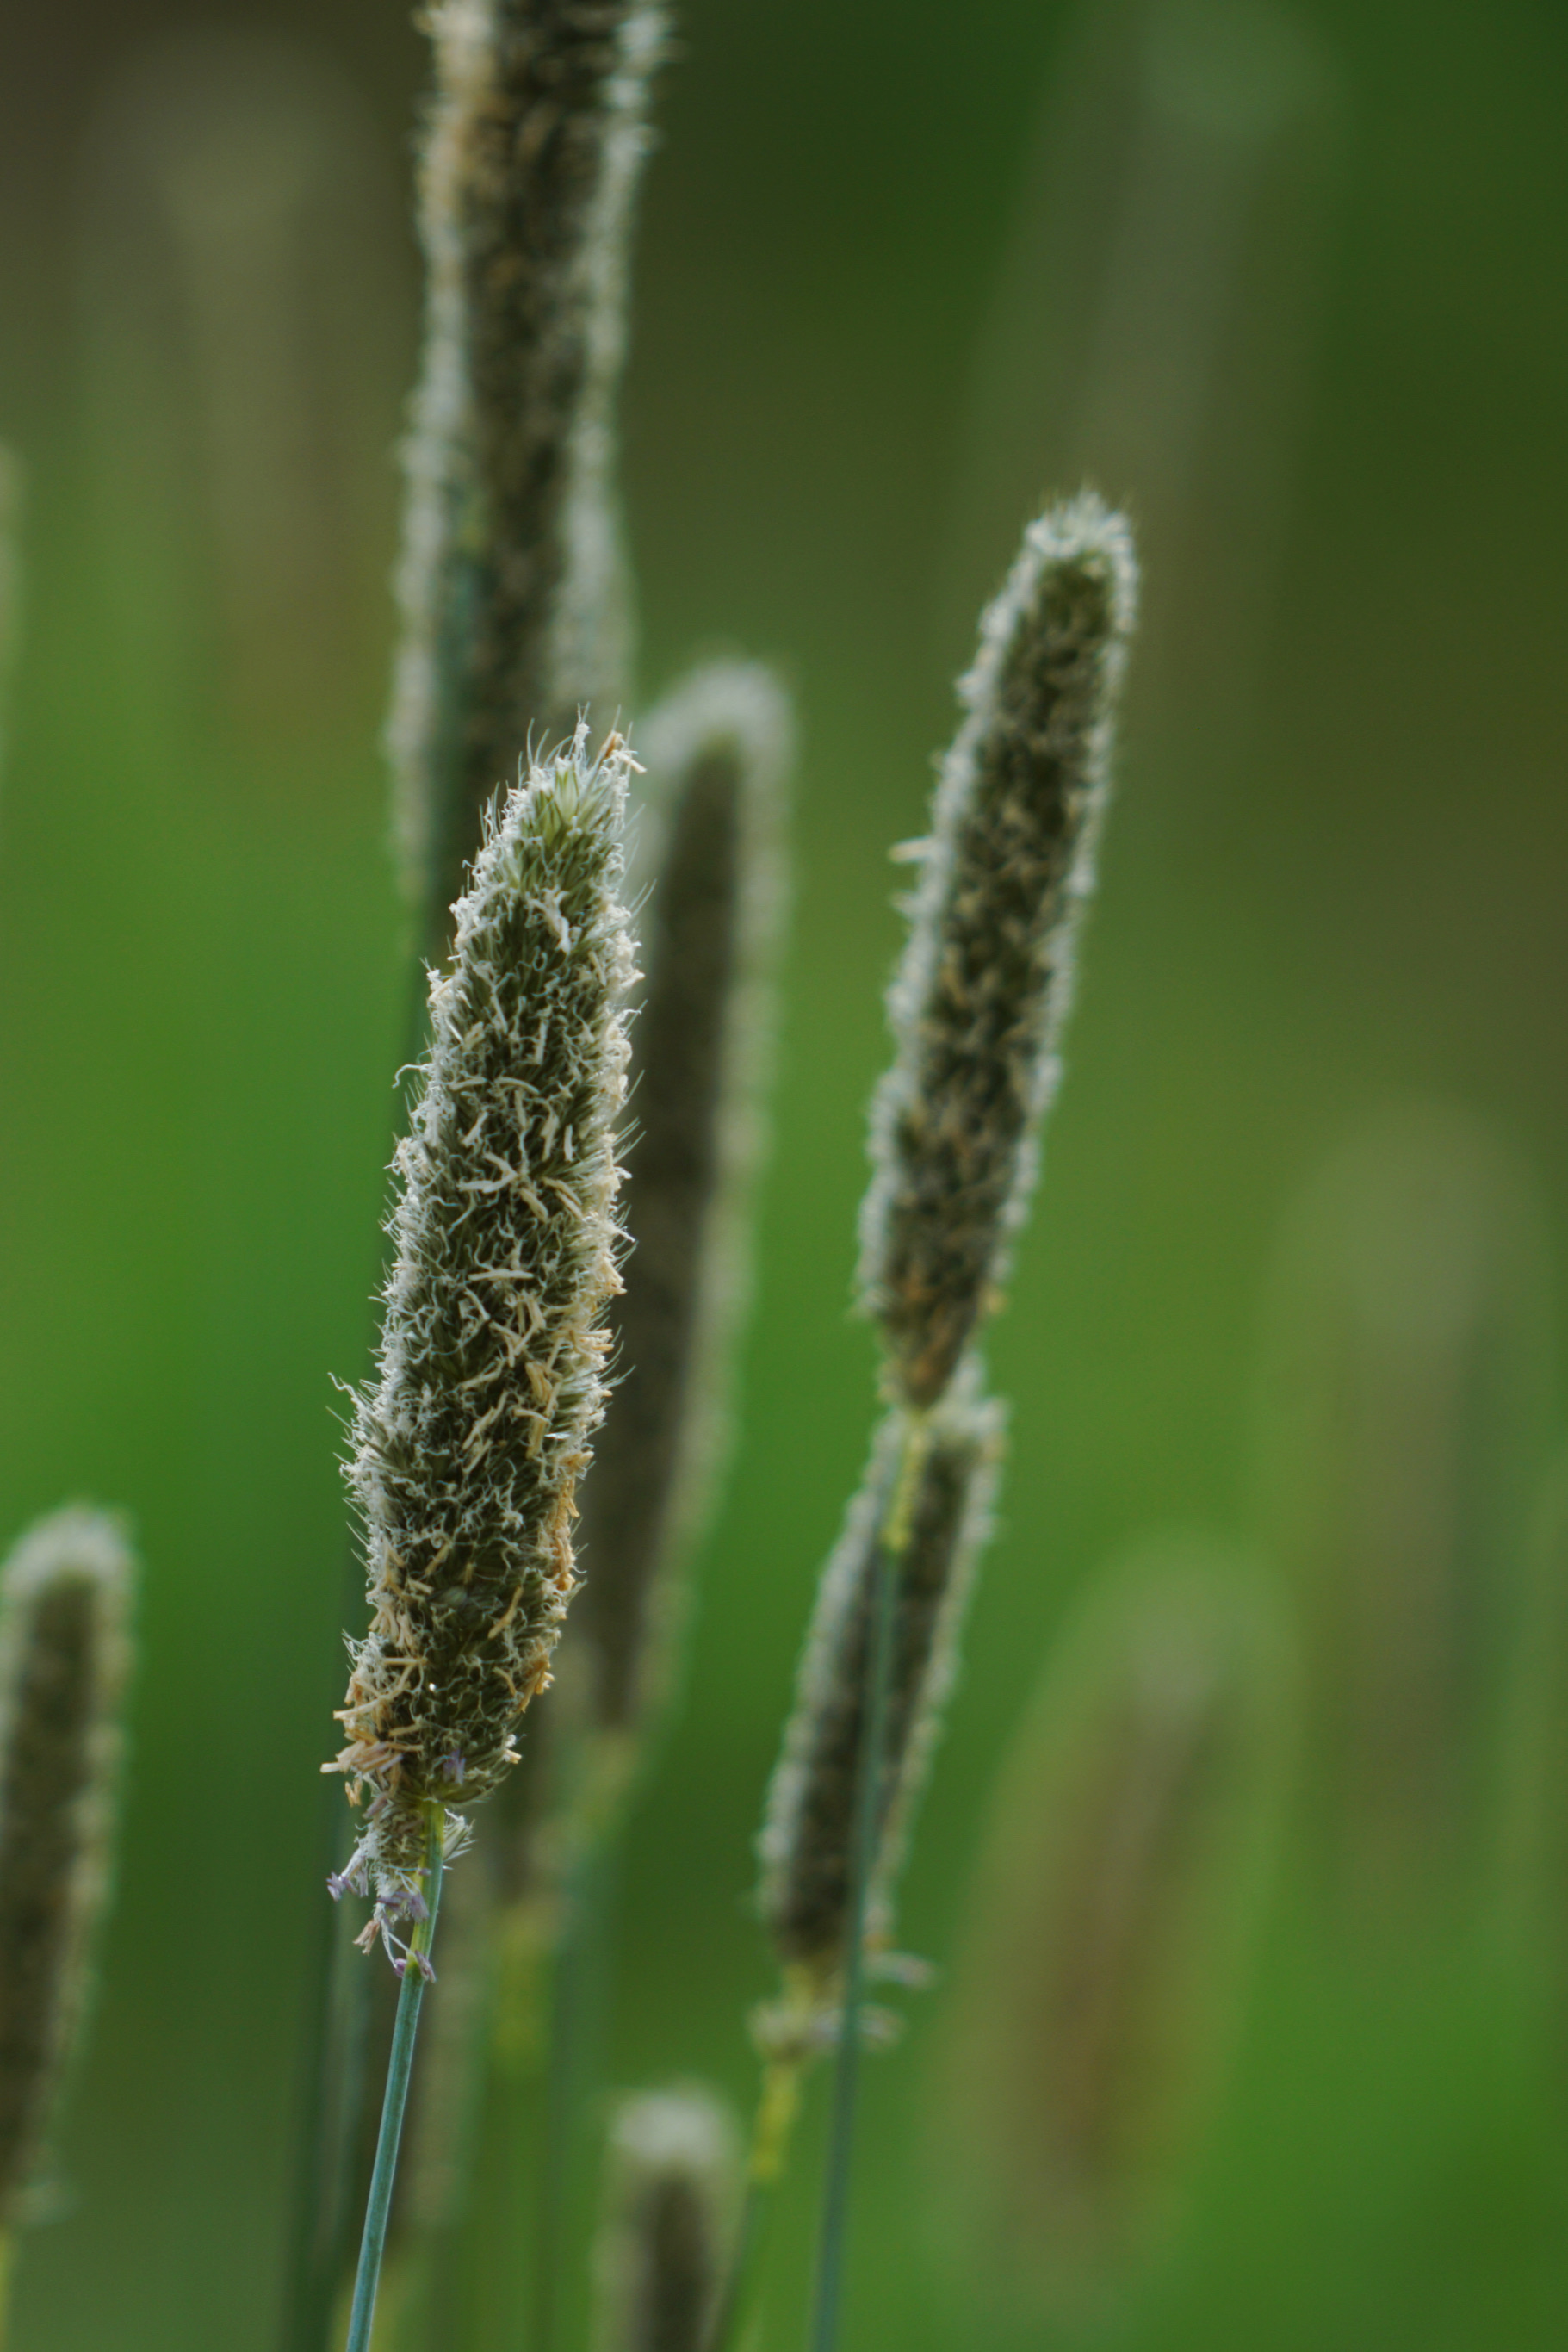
(777, 2104)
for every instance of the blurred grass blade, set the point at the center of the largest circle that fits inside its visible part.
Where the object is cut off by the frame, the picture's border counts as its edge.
(1404, 1426)
(1101, 1972)
(1154, 322)
(243, 321)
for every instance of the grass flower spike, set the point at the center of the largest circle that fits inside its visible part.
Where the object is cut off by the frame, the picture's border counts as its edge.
(665, 2242)
(718, 753)
(514, 607)
(469, 1447)
(986, 981)
(809, 1837)
(64, 1653)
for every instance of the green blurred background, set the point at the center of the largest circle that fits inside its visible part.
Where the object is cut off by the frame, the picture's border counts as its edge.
(1291, 285)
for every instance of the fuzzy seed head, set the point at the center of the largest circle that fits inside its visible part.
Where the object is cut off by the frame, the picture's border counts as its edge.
(665, 2246)
(469, 1447)
(979, 999)
(64, 1653)
(807, 1839)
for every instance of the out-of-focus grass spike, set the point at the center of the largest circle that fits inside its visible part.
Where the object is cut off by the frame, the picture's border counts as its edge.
(664, 2242)
(515, 607)
(1112, 1917)
(65, 1650)
(807, 1839)
(985, 985)
(717, 754)
(1404, 1427)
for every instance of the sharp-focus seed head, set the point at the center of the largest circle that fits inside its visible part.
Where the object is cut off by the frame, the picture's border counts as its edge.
(65, 1603)
(980, 997)
(808, 1836)
(665, 2243)
(717, 754)
(468, 1448)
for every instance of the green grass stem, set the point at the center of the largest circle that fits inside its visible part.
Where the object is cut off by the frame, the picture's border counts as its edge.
(771, 2134)
(399, 2066)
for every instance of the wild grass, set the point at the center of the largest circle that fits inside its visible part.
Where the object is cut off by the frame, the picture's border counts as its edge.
(537, 1315)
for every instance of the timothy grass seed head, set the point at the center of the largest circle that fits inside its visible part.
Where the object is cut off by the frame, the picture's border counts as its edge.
(980, 997)
(468, 1446)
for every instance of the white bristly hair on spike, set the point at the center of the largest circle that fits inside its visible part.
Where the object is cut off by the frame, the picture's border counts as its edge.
(468, 1446)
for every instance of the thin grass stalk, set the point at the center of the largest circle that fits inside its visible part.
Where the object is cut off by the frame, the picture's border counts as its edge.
(415, 1969)
(440, 2127)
